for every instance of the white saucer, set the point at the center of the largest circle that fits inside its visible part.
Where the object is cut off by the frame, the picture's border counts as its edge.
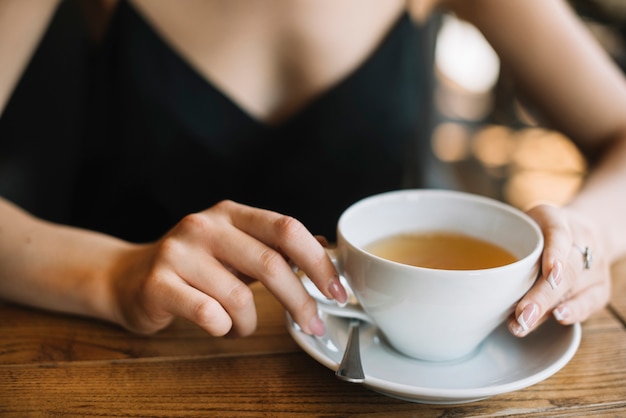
(503, 363)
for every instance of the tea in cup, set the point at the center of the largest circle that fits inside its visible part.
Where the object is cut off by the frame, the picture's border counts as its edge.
(437, 271)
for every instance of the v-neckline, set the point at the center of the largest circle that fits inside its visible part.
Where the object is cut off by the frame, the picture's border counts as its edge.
(308, 106)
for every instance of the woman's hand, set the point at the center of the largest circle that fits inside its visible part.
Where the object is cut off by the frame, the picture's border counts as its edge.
(200, 270)
(567, 288)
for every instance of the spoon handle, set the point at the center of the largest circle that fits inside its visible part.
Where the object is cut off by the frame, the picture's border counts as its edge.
(350, 368)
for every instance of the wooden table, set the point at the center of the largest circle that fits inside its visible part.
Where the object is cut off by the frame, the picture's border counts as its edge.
(55, 365)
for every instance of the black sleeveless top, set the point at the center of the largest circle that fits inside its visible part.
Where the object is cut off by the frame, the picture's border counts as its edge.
(162, 141)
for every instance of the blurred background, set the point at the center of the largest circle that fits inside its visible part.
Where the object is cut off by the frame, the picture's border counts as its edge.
(482, 138)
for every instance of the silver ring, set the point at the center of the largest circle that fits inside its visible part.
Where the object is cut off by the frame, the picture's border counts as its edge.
(587, 256)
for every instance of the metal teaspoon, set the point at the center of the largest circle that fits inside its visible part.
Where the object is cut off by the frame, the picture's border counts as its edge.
(350, 368)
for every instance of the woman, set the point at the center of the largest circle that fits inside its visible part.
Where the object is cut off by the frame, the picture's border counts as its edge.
(298, 108)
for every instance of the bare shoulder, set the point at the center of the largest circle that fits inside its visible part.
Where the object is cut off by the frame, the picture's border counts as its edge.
(22, 24)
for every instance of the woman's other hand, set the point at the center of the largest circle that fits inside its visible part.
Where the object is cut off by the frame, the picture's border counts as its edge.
(575, 279)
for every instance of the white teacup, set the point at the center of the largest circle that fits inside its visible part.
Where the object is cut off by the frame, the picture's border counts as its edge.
(436, 314)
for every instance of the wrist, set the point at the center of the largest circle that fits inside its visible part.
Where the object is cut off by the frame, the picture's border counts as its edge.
(123, 285)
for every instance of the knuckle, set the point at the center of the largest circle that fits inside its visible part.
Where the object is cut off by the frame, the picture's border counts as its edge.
(195, 222)
(241, 297)
(224, 206)
(169, 248)
(271, 262)
(553, 222)
(288, 228)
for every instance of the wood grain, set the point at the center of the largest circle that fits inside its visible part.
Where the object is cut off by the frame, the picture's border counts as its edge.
(55, 365)
(44, 337)
(618, 293)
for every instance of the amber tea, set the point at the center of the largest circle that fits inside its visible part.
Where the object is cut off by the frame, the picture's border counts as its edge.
(441, 250)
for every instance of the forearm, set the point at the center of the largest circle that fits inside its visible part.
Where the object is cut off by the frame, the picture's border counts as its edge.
(562, 70)
(602, 199)
(57, 267)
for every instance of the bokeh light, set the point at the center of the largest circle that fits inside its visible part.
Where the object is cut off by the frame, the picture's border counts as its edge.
(450, 142)
(463, 55)
(493, 145)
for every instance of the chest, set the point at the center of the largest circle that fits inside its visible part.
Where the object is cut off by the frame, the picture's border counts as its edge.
(272, 58)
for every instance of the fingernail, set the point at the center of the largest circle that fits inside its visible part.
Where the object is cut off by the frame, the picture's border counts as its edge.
(561, 313)
(554, 278)
(339, 293)
(322, 240)
(528, 317)
(317, 326)
(515, 328)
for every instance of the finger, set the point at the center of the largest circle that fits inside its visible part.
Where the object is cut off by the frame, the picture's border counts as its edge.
(188, 261)
(243, 277)
(556, 266)
(517, 329)
(580, 307)
(322, 240)
(210, 277)
(288, 236)
(543, 297)
(182, 300)
(557, 243)
(268, 266)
